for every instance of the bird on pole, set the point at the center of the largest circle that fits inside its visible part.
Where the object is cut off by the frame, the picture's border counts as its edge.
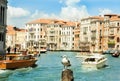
(66, 62)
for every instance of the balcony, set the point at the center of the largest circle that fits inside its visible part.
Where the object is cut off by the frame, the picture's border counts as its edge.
(111, 34)
(112, 25)
(112, 42)
(31, 39)
(84, 33)
(50, 41)
(93, 43)
(31, 31)
(93, 30)
(93, 37)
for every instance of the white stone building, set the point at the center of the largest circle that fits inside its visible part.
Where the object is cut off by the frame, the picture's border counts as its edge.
(67, 36)
(90, 33)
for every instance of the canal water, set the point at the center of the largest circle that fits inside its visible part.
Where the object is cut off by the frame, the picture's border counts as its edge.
(49, 69)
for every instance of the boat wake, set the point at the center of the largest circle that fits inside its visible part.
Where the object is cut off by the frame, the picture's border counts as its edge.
(88, 69)
(3, 71)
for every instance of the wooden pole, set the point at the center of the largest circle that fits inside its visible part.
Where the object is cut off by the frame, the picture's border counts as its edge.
(67, 75)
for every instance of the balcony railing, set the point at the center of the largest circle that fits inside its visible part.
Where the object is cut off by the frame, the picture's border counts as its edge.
(111, 42)
(93, 43)
(111, 34)
(93, 30)
(84, 33)
(93, 37)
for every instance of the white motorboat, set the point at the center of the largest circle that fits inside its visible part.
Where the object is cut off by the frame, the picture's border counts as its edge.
(94, 61)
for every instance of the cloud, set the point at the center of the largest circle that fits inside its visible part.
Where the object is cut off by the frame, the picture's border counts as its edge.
(38, 14)
(71, 11)
(104, 11)
(69, 2)
(17, 12)
(74, 13)
(16, 16)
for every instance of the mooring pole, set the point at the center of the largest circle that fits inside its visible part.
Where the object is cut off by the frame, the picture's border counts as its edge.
(67, 75)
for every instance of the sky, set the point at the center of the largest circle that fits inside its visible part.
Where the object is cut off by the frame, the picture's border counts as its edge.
(20, 12)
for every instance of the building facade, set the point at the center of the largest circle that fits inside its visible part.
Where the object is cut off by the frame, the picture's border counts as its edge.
(3, 19)
(112, 27)
(53, 35)
(58, 34)
(67, 36)
(91, 34)
(36, 33)
(76, 41)
(15, 38)
(94, 34)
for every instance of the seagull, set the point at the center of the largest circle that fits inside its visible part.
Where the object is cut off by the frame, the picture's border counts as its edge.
(65, 62)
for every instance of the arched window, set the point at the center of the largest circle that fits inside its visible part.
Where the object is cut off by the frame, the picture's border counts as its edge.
(118, 40)
(118, 24)
(117, 30)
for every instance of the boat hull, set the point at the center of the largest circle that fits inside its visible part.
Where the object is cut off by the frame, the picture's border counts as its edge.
(95, 65)
(43, 51)
(7, 64)
(115, 55)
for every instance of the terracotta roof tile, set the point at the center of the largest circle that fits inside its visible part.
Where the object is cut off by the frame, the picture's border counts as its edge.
(115, 19)
(10, 30)
(37, 21)
(70, 24)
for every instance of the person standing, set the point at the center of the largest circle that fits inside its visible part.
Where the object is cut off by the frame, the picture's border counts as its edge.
(15, 49)
(8, 49)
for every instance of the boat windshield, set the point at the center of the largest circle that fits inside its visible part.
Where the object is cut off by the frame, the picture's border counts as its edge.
(90, 59)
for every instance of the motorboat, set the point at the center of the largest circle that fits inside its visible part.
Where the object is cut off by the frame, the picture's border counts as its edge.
(15, 61)
(94, 61)
(43, 46)
(43, 50)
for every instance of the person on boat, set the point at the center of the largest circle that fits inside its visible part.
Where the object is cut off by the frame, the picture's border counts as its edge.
(8, 49)
(25, 52)
(15, 49)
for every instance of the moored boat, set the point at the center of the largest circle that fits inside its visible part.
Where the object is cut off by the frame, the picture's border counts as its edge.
(116, 54)
(14, 61)
(43, 46)
(94, 61)
(43, 50)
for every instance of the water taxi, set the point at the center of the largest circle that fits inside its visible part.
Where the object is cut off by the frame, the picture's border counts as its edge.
(94, 61)
(15, 61)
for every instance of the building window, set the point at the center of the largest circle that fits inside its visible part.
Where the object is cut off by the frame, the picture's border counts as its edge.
(41, 29)
(118, 24)
(2, 15)
(118, 40)
(117, 30)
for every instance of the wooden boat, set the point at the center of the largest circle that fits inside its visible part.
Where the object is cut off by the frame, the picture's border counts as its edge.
(34, 53)
(15, 61)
